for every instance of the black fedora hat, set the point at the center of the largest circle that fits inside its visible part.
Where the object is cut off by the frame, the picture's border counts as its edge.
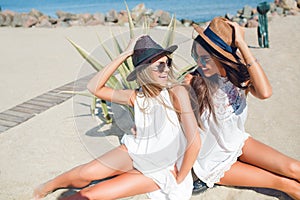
(146, 50)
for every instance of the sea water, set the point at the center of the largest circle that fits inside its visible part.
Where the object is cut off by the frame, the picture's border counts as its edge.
(197, 10)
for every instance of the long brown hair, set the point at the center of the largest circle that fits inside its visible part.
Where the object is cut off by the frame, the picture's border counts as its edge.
(204, 87)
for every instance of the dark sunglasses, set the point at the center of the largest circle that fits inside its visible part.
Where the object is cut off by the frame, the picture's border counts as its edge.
(161, 67)
(203, 59)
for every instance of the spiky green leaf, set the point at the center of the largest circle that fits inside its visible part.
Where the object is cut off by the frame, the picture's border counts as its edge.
(131, 25)
(112, 82)
(170, 34)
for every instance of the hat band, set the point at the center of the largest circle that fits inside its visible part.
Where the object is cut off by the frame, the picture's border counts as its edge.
(218, 41)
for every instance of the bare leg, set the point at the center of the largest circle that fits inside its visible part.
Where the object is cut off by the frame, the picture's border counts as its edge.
(112, 163)
(260, 166)
(265, 157)
(127, 184)
(242, 174)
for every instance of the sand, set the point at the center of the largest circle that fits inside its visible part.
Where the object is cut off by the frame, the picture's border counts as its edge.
(34, 61)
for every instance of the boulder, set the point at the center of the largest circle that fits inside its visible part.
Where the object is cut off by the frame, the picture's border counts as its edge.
(122, 17)
(2, 19)
(29, 21)
(17, 20)
(287, 4)
(62, 24)
(44, 23)
(111, 16)
(7, 17)
(35, 13)
(138, 11)
(99, 17)
(279, 10)
(165, 19)
(85, 17)
(65, 16)
(247, 12)
(186, 22)
(229, 16)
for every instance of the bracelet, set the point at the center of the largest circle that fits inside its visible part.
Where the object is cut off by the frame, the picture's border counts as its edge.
(251, 63)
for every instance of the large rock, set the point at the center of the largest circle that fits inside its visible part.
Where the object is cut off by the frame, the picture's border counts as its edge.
(78, 22)
(279, 10)
(111, 16)
(8, 16)
(2, 19)
(186, 22)
(35, 13)
(52, 20)
(44, 23)
(17, 20)
(122, 17)
(62, 24)
(287, 4)
(29, 21)
(247, 12)
(85, 17)
(138, 11)
(165, 19)
(65, 16)
(99, 17)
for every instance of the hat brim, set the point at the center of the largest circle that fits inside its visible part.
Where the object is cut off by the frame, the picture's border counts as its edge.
(228, 55)
(144, 63)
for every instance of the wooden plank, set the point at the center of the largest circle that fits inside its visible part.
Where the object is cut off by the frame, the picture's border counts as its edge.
(3, 128)
(36, 108)
(62, 95)
(42, 99)
(40, 103)
(51, 97)
(8, 123)
(18, 113)
(25, 110)
(11, 118)
(47, 100)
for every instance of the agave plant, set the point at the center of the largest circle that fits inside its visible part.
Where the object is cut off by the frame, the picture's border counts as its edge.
(119, 82)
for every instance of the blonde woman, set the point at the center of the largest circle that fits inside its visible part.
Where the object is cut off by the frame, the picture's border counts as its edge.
(156, 160)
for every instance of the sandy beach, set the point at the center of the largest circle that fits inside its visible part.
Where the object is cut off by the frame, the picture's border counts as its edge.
(37, 60)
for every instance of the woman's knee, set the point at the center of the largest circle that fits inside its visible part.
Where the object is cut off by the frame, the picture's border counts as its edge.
(293, 168)
(86, 172)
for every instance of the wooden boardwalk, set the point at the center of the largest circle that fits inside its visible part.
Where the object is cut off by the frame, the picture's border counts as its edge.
(26, 110)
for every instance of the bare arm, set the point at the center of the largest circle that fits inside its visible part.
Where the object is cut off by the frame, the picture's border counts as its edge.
(182, 103)
(260, 85)
(97, 84)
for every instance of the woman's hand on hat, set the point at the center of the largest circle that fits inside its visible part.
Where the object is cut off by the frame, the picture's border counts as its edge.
(129, 49)
(239, 34)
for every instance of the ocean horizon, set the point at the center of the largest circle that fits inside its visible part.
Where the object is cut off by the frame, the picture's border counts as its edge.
(196, 10)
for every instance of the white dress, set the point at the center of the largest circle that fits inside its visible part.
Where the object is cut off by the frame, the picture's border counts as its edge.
(223, 138)
(158, 146)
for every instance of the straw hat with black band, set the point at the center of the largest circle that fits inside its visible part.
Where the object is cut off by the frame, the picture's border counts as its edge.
(221, 37)
(146, 50)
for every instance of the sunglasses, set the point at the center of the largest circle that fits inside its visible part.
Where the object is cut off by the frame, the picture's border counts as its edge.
(161, 66)
(203, 59)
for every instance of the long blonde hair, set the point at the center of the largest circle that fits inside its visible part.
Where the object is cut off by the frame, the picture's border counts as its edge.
(150, 89)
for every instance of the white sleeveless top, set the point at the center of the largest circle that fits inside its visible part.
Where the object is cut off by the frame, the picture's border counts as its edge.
(223, 139)
(158, 145)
